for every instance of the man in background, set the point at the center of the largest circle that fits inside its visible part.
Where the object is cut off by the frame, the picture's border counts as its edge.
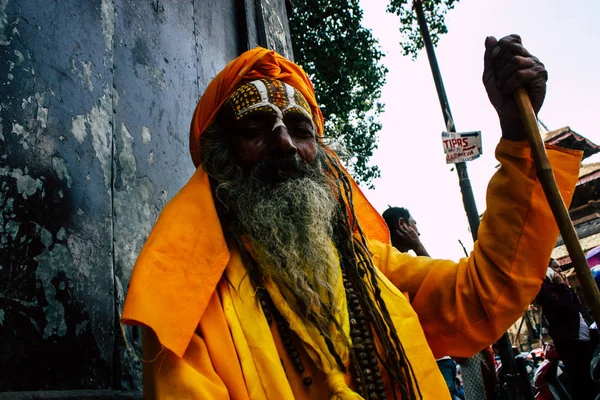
(570, 333)
(404, 235)
(403, 231)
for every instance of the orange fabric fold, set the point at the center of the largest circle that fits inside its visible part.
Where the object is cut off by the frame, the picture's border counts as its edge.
(465, 306)
(180, 264)
(186, 253)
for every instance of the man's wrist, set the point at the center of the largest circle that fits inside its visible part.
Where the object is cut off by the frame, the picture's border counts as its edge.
(420, 250)
(512, 129)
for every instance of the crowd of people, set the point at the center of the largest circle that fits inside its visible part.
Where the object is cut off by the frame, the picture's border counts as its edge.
(270, 275)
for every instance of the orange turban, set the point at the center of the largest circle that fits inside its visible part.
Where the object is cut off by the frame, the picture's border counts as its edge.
(180, 265)
(254, 64)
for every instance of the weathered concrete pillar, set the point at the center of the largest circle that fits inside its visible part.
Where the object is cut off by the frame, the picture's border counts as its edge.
(96, 99)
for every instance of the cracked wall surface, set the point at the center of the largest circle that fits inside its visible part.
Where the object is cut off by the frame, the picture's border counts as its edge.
(276, 27)
(56, 276)
(95, 107)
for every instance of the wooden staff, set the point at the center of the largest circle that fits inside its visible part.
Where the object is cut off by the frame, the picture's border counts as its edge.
(557, 205)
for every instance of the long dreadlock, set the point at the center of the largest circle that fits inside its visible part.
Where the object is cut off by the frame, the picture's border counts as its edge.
(356, 262)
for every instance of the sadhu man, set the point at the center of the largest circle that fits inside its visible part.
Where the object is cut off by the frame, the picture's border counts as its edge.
(270, 276)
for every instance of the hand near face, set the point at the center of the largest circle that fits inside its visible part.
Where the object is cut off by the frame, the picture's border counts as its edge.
(406, 235)
(508, 66)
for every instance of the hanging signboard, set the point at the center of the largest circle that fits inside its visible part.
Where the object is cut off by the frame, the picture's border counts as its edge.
(461, 147)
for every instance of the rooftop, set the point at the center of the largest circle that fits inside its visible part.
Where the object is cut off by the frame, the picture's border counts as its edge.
(588, 172)
(567, 138)
(561, 254)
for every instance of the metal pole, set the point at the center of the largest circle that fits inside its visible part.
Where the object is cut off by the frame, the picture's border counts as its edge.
(506, 352)
(461, 168)
(530, 329)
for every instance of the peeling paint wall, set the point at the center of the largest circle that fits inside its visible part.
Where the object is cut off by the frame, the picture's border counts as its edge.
(276, 27)
(95, 106)
(56, 276)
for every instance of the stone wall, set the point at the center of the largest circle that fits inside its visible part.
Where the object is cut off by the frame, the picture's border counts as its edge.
(96, 99)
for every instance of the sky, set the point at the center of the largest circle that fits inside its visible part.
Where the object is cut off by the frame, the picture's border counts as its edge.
(564, 35)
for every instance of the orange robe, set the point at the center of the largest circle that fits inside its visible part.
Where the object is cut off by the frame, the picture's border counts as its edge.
(454, 309)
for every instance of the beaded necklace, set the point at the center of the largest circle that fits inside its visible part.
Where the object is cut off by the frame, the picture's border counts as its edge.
(365, 368)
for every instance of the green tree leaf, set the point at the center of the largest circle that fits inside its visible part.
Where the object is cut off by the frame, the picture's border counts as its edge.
(342, 59)
(435, 15)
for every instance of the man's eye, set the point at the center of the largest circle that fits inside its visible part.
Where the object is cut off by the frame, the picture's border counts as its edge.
(303, 131)
(252, 133)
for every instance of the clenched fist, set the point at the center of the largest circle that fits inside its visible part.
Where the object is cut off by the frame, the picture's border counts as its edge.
(508, 66)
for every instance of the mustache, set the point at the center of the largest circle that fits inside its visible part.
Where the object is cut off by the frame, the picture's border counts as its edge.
(282, 168)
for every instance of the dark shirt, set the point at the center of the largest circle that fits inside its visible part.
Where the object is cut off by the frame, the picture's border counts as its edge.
(561, 308)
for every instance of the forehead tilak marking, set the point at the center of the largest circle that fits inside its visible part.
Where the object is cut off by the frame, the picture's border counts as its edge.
(264, 100)
(293, 94)
(255, 96)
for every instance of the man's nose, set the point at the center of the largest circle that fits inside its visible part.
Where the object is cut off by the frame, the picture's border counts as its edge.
(282, 142)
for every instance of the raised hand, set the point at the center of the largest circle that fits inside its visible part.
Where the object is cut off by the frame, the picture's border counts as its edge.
(405, 238)
(508, 66)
